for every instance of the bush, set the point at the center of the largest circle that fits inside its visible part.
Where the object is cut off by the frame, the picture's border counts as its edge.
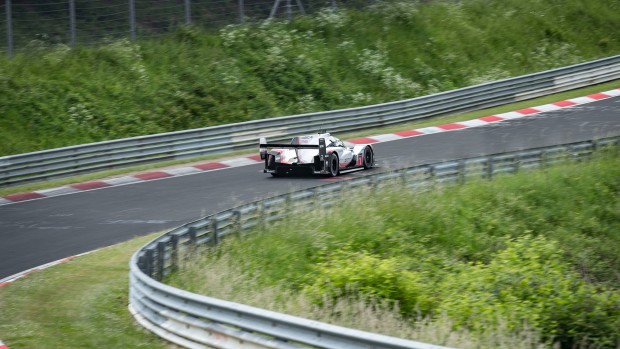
(526, 286)
(530, 285)
(362, 275)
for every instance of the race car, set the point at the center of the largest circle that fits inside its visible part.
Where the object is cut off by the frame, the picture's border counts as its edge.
(319, 153)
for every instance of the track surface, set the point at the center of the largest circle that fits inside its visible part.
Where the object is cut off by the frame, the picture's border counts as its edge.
(36, 232)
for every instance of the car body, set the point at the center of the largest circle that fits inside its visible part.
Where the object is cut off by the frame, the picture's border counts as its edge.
(319, 153)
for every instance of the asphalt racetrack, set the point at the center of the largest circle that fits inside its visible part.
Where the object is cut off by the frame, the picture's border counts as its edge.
(36, 232)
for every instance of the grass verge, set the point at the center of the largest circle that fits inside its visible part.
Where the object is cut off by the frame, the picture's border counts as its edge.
(408, 126)
(79, 304)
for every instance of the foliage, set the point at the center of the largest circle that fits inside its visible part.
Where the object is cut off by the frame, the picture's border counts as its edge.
(534, 252)
(347, 274)
(55, 95)
(529, 284)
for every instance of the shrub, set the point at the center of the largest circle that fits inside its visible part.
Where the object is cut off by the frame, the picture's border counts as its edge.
(528, 284)
(362, 275)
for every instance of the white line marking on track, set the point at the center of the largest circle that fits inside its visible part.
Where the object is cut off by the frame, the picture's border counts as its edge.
(57, 191)
(511, 115)
(239, 162)
(430, 130)
(387, 137)
(183, 171)
(472, 123)
(582, 100)
(547, 107)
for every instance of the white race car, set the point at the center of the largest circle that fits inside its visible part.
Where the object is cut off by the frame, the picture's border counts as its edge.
(319, 153)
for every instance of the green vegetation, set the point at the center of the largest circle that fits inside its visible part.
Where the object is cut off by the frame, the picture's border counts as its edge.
(78, 304)
(530, 258)
(470, 264)
(388, 129)
(57, 96)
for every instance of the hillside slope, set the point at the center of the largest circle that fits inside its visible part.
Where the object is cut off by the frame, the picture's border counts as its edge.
(56, 96)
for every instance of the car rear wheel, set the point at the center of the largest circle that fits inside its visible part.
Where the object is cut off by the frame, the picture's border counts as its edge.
(334, 166)
(369, 158)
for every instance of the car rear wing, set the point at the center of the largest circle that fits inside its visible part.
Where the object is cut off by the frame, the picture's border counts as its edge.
(263, 145)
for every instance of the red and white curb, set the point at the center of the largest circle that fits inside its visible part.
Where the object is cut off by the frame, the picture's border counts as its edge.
(251, 160)
(488, 119)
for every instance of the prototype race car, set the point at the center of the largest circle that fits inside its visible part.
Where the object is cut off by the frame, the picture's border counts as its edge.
(319, 153)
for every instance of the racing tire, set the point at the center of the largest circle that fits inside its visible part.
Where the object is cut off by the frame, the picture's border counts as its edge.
(334, 165)
(369, 158)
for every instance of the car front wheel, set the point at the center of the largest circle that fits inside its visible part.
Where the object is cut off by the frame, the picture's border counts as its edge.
(369, 158)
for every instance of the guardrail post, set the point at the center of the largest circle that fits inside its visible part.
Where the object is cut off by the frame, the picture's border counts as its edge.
(72, 34)
(544, 159)
(315, 199)
(161, 260)
(192, 237)
(260, 212)
(148, 262)
(215, 239)
(592, 149)
(142, 263)
(9, 28)
(344, 188)
(288, 207)
(595, 146)
(374, 185)
(188, 12)
(402, 175)
(240, 6)
(422, 178)
(236, 223)
(132, 20)
(174, 253)
(432, 175)
(461, 176)
(490, 167)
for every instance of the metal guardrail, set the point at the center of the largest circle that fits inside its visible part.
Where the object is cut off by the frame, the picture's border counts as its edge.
(196, 321)
(68, 161)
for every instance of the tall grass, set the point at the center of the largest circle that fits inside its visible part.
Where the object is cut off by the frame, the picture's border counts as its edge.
(532, 256)
(59, 96)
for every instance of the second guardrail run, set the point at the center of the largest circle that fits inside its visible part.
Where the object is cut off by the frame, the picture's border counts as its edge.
(196, 321)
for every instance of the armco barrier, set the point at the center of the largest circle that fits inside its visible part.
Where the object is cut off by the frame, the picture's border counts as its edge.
(62, 162)
(196, 321)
